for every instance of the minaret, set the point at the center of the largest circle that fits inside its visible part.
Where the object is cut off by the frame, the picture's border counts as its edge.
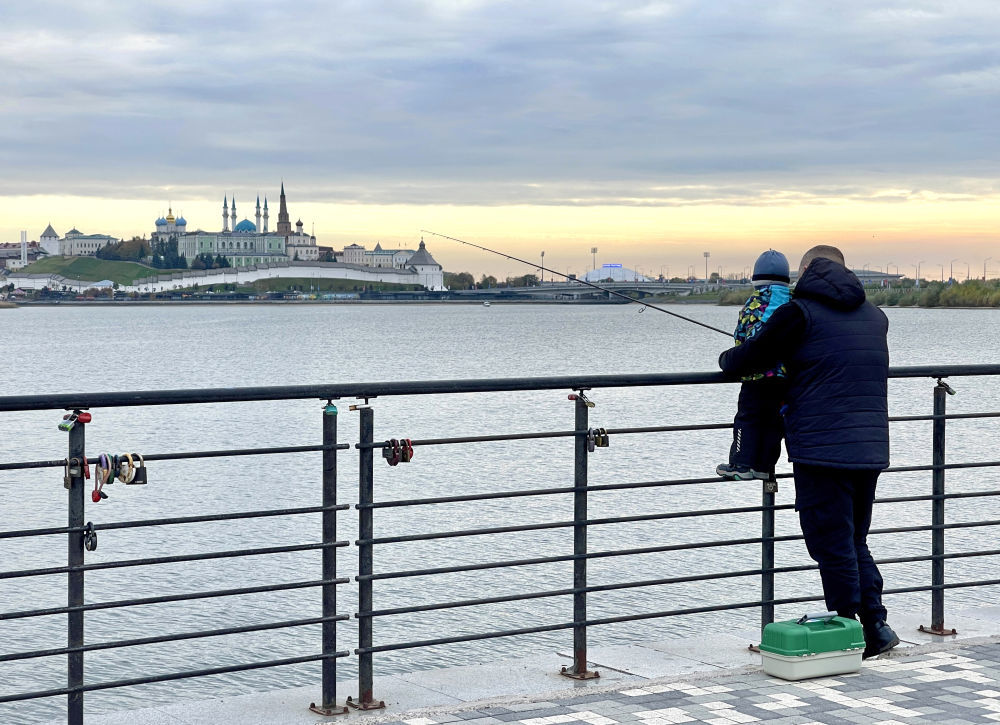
(284, 226)
(225, 214)
(258, 212)
(234, 212)
(265, 214)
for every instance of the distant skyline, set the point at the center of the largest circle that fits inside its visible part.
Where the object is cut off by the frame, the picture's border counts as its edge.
(652, 130)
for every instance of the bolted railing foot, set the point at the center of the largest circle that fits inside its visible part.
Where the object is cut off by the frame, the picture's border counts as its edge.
(941, 631)
(585, 675)
(365, 703)
(328, 709)
(579, 669)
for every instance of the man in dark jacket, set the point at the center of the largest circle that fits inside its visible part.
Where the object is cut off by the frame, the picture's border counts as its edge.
(833, 344)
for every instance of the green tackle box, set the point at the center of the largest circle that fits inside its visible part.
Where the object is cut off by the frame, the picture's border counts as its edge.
(815, 645)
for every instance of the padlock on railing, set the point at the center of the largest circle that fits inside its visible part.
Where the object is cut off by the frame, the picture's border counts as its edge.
(90, 537)
(139, 478)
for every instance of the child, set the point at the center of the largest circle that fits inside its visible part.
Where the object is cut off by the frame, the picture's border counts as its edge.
(758, 427)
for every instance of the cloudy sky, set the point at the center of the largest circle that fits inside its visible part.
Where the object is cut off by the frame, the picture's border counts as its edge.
(653, 130)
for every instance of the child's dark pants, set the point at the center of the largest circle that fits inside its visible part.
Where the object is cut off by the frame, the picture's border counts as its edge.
(758, 426)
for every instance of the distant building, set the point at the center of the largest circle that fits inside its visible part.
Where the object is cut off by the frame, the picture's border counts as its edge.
(615, 272)
(353, 254)
(74, 244)
(243, 243)
(429, 272)
(11, 254)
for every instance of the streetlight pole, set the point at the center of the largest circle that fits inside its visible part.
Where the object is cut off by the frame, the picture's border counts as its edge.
(593, 250)
(542, 268)
(707, 255)
(942, 271)
(918, 271)
(951, 272)
(984, 267)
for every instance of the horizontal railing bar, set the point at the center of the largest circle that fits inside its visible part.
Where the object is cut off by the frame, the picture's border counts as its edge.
(629, 431)
(171, 559)
(232, 453)
(213, 594)
(647, 615)
(935, 527)
(115, 644)
(651, 582)
(394, 503)
(420, 387)
(566, 524)
(176, 520)
(569, 625)
(566, 557)
(172, 676)
(41, 532)
(547, 491)
(549, 434)
(460, 568)
(570, 590)
(946, 416)
(637, 518)
(220, 517)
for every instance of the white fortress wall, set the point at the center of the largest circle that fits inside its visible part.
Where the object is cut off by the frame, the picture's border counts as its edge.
(242, 275)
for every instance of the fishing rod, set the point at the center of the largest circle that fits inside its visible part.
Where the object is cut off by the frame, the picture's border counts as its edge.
(575, 279)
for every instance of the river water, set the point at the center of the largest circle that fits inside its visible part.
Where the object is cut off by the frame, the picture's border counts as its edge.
(62, 349)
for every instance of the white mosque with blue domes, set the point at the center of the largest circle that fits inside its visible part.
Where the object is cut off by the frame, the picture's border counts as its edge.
(243, 243)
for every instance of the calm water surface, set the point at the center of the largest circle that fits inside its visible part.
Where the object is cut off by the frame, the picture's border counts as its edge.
(62, 349)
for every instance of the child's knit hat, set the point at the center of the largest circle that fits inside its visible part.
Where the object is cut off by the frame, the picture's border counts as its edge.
(771, 266)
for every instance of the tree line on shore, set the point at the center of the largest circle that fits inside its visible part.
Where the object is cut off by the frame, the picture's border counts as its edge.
(971, 293)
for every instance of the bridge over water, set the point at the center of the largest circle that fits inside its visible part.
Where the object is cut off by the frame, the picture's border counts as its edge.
(578, 290)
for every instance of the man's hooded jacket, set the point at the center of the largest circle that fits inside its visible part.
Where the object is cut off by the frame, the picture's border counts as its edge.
(833, 344)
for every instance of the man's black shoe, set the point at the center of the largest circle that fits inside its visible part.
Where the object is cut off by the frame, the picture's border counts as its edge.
(879, 638)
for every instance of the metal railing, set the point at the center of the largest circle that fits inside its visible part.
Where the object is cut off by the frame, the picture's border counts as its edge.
(586, 439)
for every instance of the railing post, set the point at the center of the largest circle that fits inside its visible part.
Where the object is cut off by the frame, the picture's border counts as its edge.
(770, 487)
(579, 670)
(937, 513)
(328, 704)
(74, 669)
(366, 531)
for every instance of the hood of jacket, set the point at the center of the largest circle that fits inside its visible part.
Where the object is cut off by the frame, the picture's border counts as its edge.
(832, 284)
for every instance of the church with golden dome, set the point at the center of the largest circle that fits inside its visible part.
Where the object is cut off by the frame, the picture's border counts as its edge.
(243, 243)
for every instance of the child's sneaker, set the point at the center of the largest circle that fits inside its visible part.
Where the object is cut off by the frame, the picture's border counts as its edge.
(737, 473)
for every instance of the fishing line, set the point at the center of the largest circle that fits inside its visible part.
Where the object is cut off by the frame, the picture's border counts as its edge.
(575, 279)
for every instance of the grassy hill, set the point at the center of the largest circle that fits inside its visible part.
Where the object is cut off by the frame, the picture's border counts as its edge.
(92, 269)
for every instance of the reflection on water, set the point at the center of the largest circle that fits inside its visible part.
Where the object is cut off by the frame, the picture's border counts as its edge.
(67, 349)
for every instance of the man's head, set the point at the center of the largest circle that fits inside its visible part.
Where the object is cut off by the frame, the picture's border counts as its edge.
(821, 251)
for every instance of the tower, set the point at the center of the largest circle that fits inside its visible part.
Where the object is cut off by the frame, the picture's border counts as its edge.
(284, 225)
(234, 213)
(258, 212)
(265, 214)
(225, 214)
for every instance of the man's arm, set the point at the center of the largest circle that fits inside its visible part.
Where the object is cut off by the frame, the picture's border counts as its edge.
(773, 344)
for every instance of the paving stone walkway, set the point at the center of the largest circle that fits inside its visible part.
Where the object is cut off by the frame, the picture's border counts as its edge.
(950, 687)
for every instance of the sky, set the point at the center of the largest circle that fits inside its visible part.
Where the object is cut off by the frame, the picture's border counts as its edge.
(654, 131)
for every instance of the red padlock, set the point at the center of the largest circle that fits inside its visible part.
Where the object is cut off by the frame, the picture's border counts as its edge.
(95, 496)
(84, 418)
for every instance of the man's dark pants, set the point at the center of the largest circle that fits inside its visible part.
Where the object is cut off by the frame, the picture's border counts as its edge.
(835, 512)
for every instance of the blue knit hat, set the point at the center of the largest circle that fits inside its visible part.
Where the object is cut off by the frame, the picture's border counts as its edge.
(771, 266)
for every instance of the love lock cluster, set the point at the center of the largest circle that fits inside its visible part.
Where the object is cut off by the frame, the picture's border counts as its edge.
(397, 450)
